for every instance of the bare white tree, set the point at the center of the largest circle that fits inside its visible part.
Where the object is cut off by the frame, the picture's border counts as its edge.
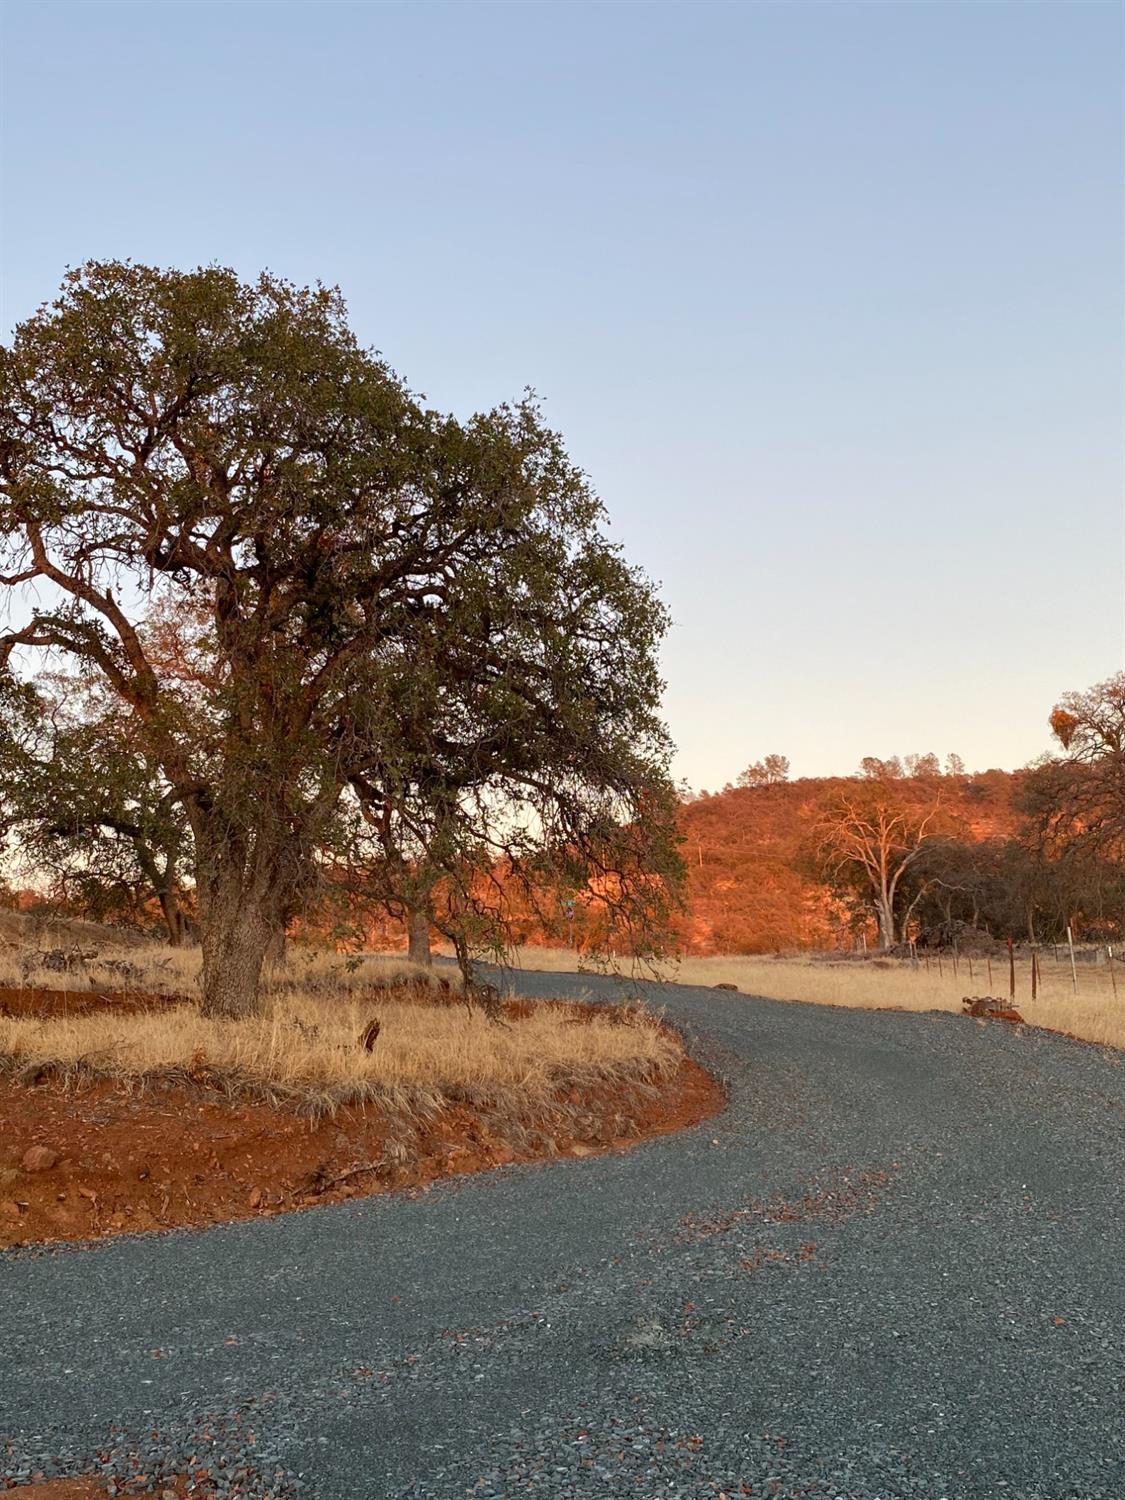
(867, 840)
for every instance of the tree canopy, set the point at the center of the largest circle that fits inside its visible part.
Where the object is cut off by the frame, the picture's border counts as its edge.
(767, 772)
(89, 809)
(1076, 799)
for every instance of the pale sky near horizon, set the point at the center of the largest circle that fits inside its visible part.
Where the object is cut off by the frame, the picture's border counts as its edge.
(829, 300)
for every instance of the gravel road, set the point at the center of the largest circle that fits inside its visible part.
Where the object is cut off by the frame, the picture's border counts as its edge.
(895, 1267)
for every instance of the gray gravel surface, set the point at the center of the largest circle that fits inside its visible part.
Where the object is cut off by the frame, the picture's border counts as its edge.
(895, 1267)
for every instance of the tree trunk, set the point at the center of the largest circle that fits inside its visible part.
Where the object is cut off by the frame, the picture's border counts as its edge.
(907, 916)
(236, 936)
(418, 926)
(886, 916)
(163, 884)
(173, 918)
(276, 947)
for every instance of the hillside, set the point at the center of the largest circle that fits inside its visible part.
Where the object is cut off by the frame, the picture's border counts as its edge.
(745, 893)
(741, 845)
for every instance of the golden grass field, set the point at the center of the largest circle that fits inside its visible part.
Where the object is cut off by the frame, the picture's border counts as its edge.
(309, 1049)
(305, 1044)
(1095, 1013)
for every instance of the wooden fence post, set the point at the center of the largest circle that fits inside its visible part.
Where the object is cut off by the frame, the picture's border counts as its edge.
(1073, 970)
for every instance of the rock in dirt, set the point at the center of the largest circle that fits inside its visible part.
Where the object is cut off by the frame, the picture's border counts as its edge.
(40, 1158)
(993, 1006)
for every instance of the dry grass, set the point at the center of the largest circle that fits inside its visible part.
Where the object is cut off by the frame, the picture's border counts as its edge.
(307, 1049)
(1095, 1013)
(37, 931)
(160, 970)
(304, 1048)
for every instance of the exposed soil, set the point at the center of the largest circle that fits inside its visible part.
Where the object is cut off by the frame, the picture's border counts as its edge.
(63, 1489)
(116, 1160)
(90, 1488)
(50, 1004)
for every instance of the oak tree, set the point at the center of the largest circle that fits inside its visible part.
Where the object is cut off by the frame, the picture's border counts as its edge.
(1077, 797)
(393, 606)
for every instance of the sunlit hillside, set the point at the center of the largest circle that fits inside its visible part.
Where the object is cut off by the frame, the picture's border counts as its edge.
(746, 893)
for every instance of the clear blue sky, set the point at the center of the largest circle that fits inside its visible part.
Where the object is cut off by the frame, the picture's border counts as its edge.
(827, 298)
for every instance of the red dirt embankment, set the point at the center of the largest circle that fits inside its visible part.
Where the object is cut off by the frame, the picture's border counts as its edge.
(98, 1157)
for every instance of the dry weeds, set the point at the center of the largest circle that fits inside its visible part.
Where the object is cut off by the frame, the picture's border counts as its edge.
(160, 970)
(1095, 1013)
(305, 1047)
(43, 931)
(305, 1050)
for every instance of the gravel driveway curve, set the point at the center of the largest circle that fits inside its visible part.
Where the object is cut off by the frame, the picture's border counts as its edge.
(895, 1267)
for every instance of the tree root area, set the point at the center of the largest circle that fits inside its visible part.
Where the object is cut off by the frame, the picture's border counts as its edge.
(96, 1158)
